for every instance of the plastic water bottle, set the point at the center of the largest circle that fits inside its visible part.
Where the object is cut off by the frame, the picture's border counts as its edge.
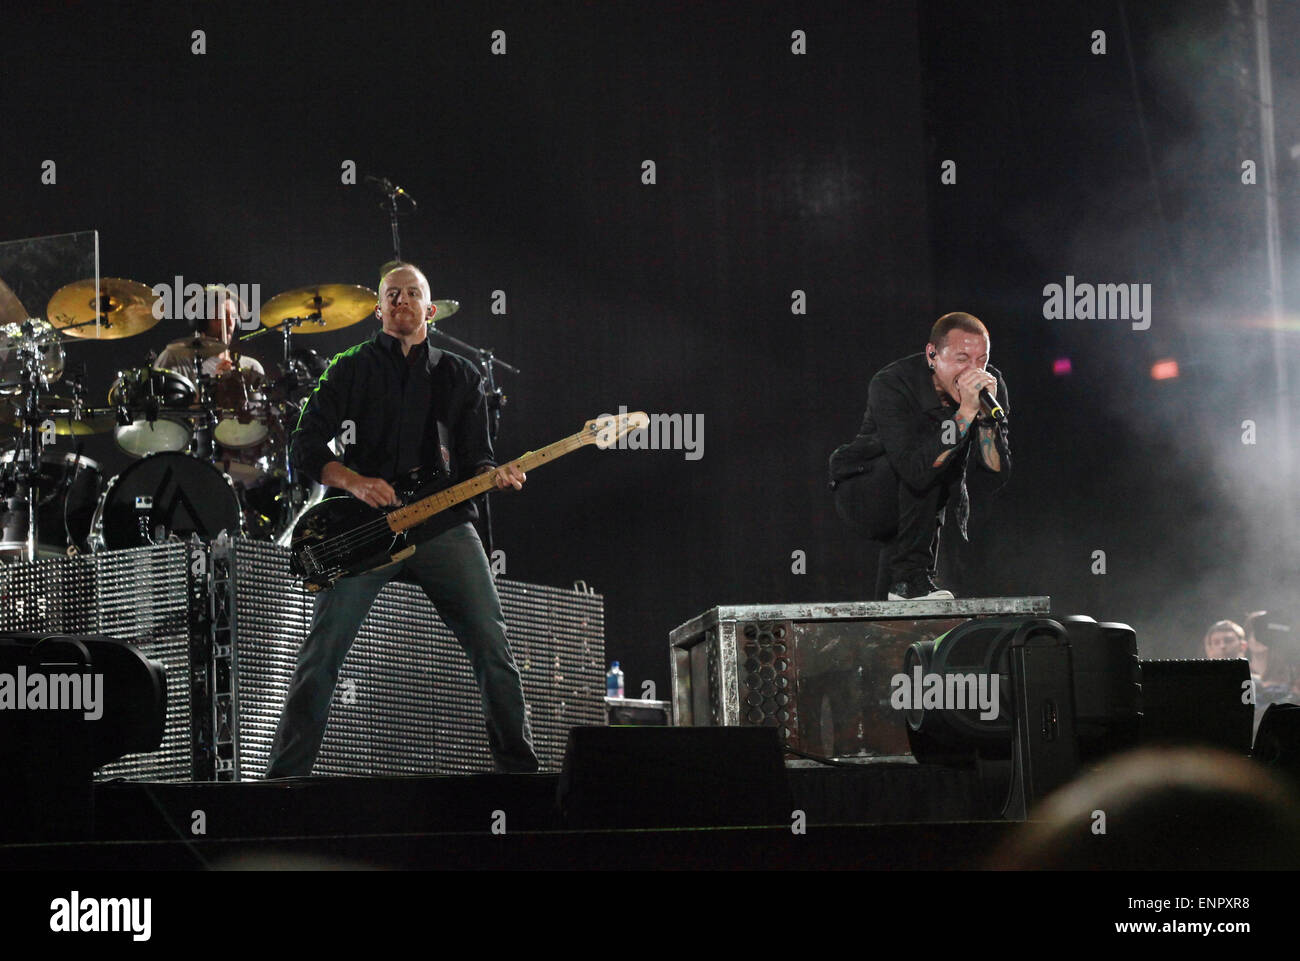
(614, 681)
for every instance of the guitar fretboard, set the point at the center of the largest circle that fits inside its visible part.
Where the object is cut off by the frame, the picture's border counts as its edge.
(407, 517)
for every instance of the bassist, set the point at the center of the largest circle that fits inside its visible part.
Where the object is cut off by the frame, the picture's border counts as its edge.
(397, 403)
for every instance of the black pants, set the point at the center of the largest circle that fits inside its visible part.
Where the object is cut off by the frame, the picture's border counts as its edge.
(906, 521)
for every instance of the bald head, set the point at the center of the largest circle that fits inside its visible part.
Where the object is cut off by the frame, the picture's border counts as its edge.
(399, 272)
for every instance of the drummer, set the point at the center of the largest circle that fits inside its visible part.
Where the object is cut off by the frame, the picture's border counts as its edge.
(242, 464)
(179, 355)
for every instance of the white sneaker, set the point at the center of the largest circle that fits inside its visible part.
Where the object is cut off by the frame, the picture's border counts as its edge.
(919, 589)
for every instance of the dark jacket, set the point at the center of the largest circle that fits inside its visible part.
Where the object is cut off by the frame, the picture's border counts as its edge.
(904, 425)
(429, 414)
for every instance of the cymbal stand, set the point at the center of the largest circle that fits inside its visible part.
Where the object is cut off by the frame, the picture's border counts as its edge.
(27, 458)
(286, 326)
(201, 444)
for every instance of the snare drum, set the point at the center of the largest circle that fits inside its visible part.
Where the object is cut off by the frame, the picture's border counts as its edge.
(69, 490)
(164, 495)
(155, 404)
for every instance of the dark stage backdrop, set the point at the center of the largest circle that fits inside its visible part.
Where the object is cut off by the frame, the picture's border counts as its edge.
(776, 172)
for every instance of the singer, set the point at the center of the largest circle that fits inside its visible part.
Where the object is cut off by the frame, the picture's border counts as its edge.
(895, 480)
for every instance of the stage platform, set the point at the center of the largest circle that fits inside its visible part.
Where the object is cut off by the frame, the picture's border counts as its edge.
(887, 814)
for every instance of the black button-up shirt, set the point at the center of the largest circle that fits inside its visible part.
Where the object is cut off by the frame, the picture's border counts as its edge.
(400, 412)
(904, 423)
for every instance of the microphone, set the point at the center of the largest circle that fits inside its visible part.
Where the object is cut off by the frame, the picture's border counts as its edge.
(989, 404)
(389, 189)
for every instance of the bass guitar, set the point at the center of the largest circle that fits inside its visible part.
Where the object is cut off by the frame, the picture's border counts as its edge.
(344, 536)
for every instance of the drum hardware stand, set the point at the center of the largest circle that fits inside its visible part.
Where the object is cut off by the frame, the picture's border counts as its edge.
(143, 505)
(144, 508)
(78, 383)
(201, 445)
(27, 461)
(69, 476)
(297, 498)
(293, 497)
(27, 457)
(99, 320)
(286, 326)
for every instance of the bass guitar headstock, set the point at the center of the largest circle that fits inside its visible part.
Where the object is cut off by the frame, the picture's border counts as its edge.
(604, 431)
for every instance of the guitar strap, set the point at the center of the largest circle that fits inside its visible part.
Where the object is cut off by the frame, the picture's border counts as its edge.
(445, 448)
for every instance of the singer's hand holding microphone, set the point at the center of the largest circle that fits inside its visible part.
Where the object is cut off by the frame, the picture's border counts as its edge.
(979, 392)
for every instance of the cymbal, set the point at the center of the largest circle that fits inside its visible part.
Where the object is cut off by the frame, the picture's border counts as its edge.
(125, 309)
(443, 309)
(60, 410)
(200, 348)
(329, 307)
(12, 310)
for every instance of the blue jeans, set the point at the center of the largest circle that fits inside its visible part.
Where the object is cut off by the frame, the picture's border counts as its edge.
(452, 569)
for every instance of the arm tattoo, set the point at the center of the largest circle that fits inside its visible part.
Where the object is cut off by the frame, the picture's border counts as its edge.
(963, 425)
(989, 450)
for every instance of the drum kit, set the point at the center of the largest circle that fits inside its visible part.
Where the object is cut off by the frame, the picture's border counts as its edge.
(210, 440)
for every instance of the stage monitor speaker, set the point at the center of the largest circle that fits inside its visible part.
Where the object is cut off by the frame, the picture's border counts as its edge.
(665, 777)
(1277, 742)
(1107, 686)
(1198, 702)
(69, 704)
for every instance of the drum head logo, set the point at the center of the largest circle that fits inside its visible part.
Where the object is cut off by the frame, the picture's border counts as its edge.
(165, 495)
(173, 509)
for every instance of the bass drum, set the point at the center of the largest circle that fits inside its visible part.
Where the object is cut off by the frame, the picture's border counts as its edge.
(163, 496)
